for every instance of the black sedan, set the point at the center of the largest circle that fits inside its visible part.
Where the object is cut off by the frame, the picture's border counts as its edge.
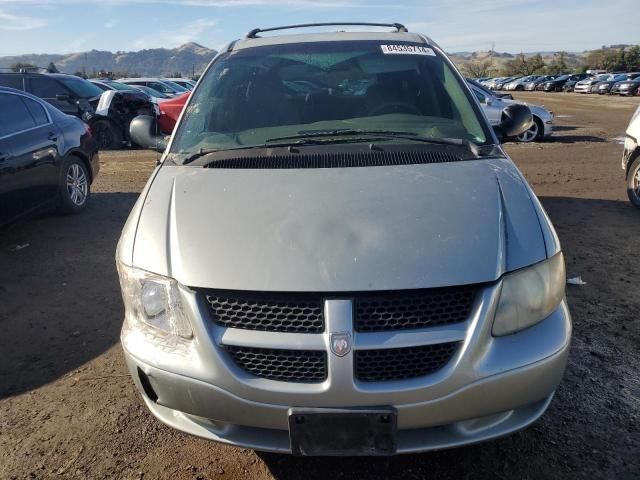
(48, 159)
(557, 84)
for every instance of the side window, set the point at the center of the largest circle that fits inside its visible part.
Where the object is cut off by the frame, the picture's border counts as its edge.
(11, 81)
(14, 116)
(36, 110)
(45, 87)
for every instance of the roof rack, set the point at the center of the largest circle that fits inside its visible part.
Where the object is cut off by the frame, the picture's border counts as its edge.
(398, 26)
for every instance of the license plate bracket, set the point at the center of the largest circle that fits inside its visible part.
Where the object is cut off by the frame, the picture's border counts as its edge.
(343, 432)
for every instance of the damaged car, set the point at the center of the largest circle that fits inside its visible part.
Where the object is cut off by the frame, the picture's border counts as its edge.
(108, 113)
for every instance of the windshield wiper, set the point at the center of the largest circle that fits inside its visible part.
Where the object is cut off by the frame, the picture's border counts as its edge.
(319, 137)
(385, 134)
(336, 133)
(301, 142)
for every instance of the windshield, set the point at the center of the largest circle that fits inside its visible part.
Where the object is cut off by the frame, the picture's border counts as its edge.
(82, 88)
(254, 95)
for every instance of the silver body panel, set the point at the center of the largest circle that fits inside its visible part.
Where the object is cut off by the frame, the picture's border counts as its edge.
(347, 229)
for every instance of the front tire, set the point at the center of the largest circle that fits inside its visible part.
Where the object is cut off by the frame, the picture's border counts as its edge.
(106, 135)
(519, 88)
(74, 186)
(534, 134)
(633, 183)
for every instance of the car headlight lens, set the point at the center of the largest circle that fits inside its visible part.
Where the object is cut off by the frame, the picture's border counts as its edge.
(152, 303)
(530, 295)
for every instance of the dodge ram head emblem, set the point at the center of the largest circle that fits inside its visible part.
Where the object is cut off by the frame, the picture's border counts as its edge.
(340, 343)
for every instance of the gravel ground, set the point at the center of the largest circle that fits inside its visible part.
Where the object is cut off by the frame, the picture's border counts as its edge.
(69, 410)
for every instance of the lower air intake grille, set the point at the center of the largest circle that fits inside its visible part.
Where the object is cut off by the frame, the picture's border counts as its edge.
(402, 363)
(339, 160)
(412, 309)
(301, 366)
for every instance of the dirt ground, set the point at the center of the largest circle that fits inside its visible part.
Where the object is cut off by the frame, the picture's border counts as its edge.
(69, 410)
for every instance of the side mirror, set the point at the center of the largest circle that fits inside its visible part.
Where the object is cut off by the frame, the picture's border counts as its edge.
(144, 132)
(516, 119)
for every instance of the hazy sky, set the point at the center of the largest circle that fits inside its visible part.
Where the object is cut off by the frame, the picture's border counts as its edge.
(63, 26)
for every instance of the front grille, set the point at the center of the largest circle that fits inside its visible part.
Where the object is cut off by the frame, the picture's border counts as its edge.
(402, 363)
(272, 312)
(412, 309)
(303, 366)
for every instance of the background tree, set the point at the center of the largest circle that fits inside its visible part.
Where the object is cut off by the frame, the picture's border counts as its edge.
(558, 64)
(523, 65)
(477, 68)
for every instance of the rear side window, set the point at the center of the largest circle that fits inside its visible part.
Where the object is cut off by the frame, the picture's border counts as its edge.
(11, 81)
(14, 116)
(36, 110)
(45, 87)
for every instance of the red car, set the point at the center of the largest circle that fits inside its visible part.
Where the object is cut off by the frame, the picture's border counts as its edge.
(170, 111)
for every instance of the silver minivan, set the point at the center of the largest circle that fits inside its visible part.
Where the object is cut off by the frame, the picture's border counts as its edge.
(335, 256)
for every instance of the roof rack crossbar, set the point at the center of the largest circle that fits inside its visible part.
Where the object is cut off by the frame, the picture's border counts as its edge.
(398, 26)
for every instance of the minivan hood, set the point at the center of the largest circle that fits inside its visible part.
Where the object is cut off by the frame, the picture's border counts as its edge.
(338, 229)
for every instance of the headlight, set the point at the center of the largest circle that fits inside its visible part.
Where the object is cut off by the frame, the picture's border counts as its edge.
(530, 295)
(152, 304)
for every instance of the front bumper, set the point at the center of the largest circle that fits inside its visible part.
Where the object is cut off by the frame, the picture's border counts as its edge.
(582, 89)
(493, 386)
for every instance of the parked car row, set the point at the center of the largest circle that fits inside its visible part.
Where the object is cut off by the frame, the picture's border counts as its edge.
(107, 106)
(627, 83)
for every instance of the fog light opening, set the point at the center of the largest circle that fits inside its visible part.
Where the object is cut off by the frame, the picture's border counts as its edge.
(146, 386)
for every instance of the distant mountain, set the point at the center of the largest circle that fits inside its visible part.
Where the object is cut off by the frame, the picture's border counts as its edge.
(185, 59)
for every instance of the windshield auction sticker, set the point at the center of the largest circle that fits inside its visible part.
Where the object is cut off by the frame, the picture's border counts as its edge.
(406, 50)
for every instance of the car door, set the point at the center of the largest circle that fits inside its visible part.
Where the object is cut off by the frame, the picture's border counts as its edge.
(54, 92)
(7, 181)
(34, 143)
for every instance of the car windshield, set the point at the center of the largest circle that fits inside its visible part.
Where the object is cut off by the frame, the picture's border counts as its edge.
(252, 96)
(81, 87)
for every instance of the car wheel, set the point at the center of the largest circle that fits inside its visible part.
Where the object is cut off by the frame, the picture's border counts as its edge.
(106, 135)
(519, 88)
(535, 133)
(633, 183)
(74, 186)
